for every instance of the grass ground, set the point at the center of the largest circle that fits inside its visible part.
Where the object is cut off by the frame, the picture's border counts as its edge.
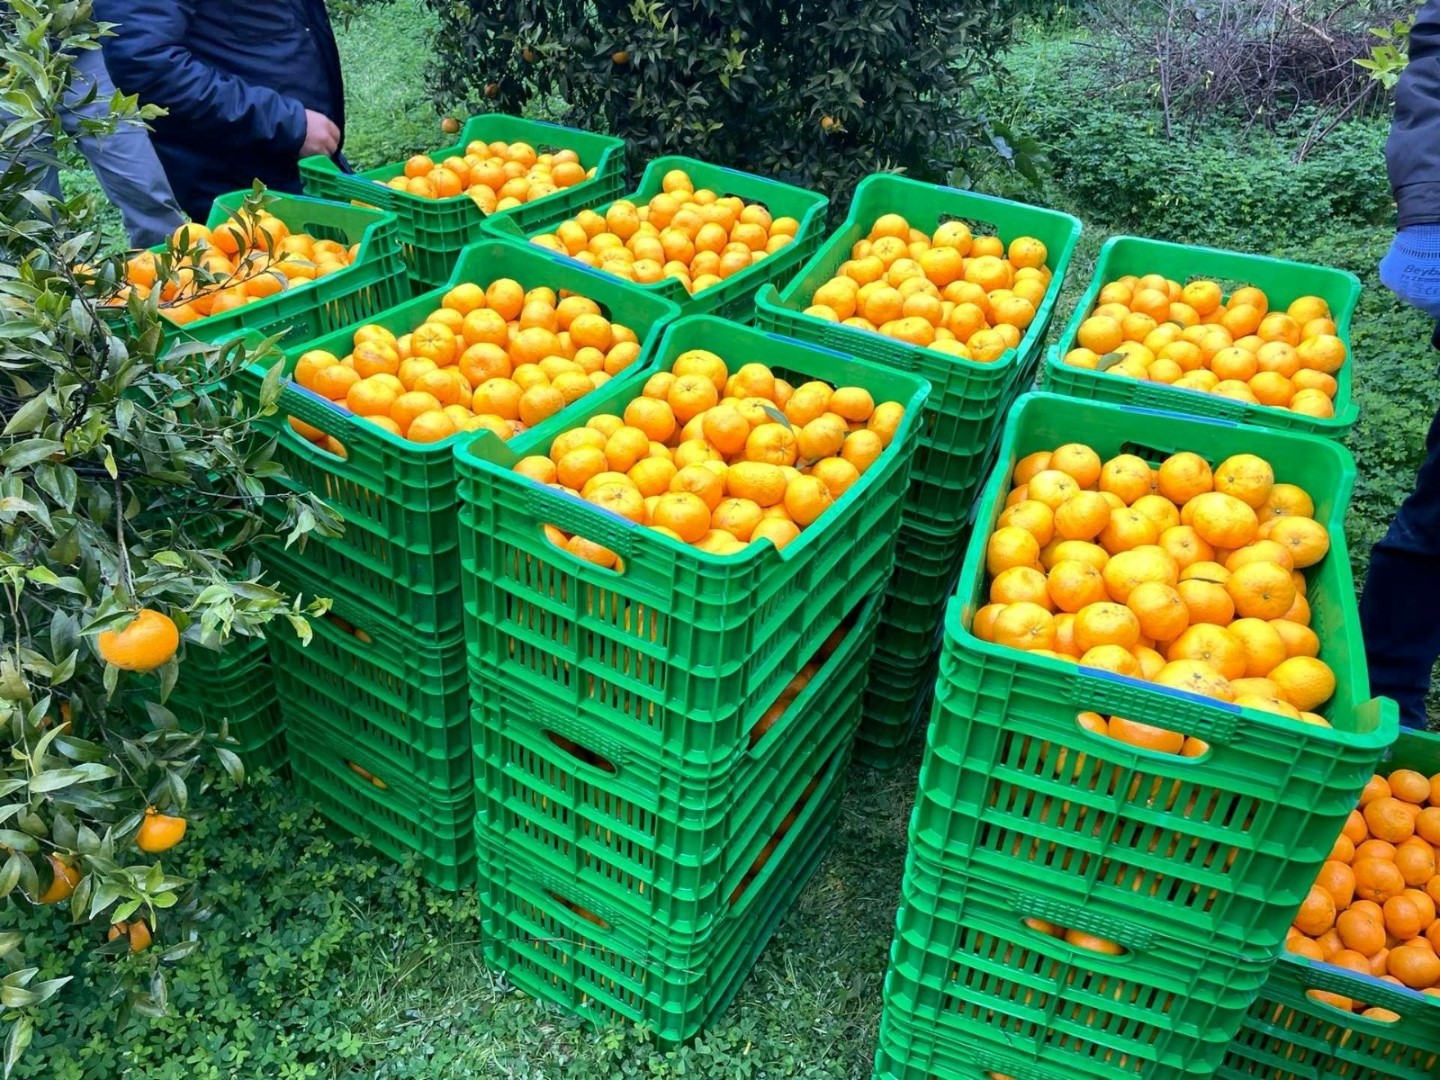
(321, 959)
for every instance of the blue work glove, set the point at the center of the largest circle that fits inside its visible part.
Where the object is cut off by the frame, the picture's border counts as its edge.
(1411, 268)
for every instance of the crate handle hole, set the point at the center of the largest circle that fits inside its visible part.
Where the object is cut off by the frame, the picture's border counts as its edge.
(1150, 739)
(366, 774)
(349, 628)
(1080, 940)
(580, 753)
(584, 912)
(317, 440)
(1332, 1002)
(583, 550)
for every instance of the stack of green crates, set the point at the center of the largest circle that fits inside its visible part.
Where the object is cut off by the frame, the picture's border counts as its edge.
(376, 705)
(374, 280)
(733, 298)
(433, 232)
(1194, 867)
(233, 687)
(660, 747)
(968, 402)
(1290, 1033)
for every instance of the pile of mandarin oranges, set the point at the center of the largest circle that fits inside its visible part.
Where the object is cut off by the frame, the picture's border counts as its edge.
(1192, 337)
(495, 175)
(698, 237)
(1372, 909)
(248, 258)
(496, 358)
(718, 460)
(949, 290)
(1184, 574)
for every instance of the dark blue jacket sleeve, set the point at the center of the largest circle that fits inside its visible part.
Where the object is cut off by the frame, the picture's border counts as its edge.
(148, 57)
(1413, 153)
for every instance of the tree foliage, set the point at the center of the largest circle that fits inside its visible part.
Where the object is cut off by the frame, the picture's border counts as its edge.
(130, 478)
(816, 92)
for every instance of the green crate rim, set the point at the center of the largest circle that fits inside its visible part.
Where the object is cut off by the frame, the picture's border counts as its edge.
(633, 537)
(472, 265)
(214, 328)
(724, 181)
(321, 169)
(1347, 409)
(790, 306)
(972, 575)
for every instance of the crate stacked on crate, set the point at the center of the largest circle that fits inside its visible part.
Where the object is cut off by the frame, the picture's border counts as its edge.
(377, 703)
(970, 391)
(655, 215)
(1103, 869)
(663, 714)
(1303, 352)
(364, 273)
(230, 688)
(434, 227)
(1317, 1019)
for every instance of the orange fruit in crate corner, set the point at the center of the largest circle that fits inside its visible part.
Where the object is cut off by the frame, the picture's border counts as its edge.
(495, 175)
(245, 259)
(486, 359)
(695, 236)
(1380, 879)
(699, 456)
(1154, 330)
(947, 290)
(1112, 564)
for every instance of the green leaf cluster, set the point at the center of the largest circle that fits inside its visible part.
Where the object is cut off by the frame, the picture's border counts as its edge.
(819, 94)
(131, 477)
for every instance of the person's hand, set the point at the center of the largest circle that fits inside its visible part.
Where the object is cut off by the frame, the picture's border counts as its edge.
(1411, 268)
(321, 135)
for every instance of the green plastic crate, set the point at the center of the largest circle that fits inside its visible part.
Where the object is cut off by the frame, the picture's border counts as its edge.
(964, 962)
(433, 232)
(613, 969)
(398, 498)
(629, 834)
(897, 704)
(234, 686)
(1290, 1035)
(926, 568)
(346, 568)
(733, 298)
(1283, 283)
(431, 781)
(903, 672)
(437, 834)
(1221, 847)
(374, 281)
(401, 700)
(272, 753)
(917, 1051)
(968, 399)
(681, 652)
(1293, 1037)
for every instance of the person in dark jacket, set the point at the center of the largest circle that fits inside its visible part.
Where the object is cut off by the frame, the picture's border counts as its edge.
(251, 87)
(1398, 612)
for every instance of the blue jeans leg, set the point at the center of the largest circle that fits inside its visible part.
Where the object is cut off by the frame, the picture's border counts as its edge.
(1400, 609)
(124, 161)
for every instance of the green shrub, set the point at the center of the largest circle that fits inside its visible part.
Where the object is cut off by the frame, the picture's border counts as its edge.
(1106, 150)
(819, 94)
(124, 463)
